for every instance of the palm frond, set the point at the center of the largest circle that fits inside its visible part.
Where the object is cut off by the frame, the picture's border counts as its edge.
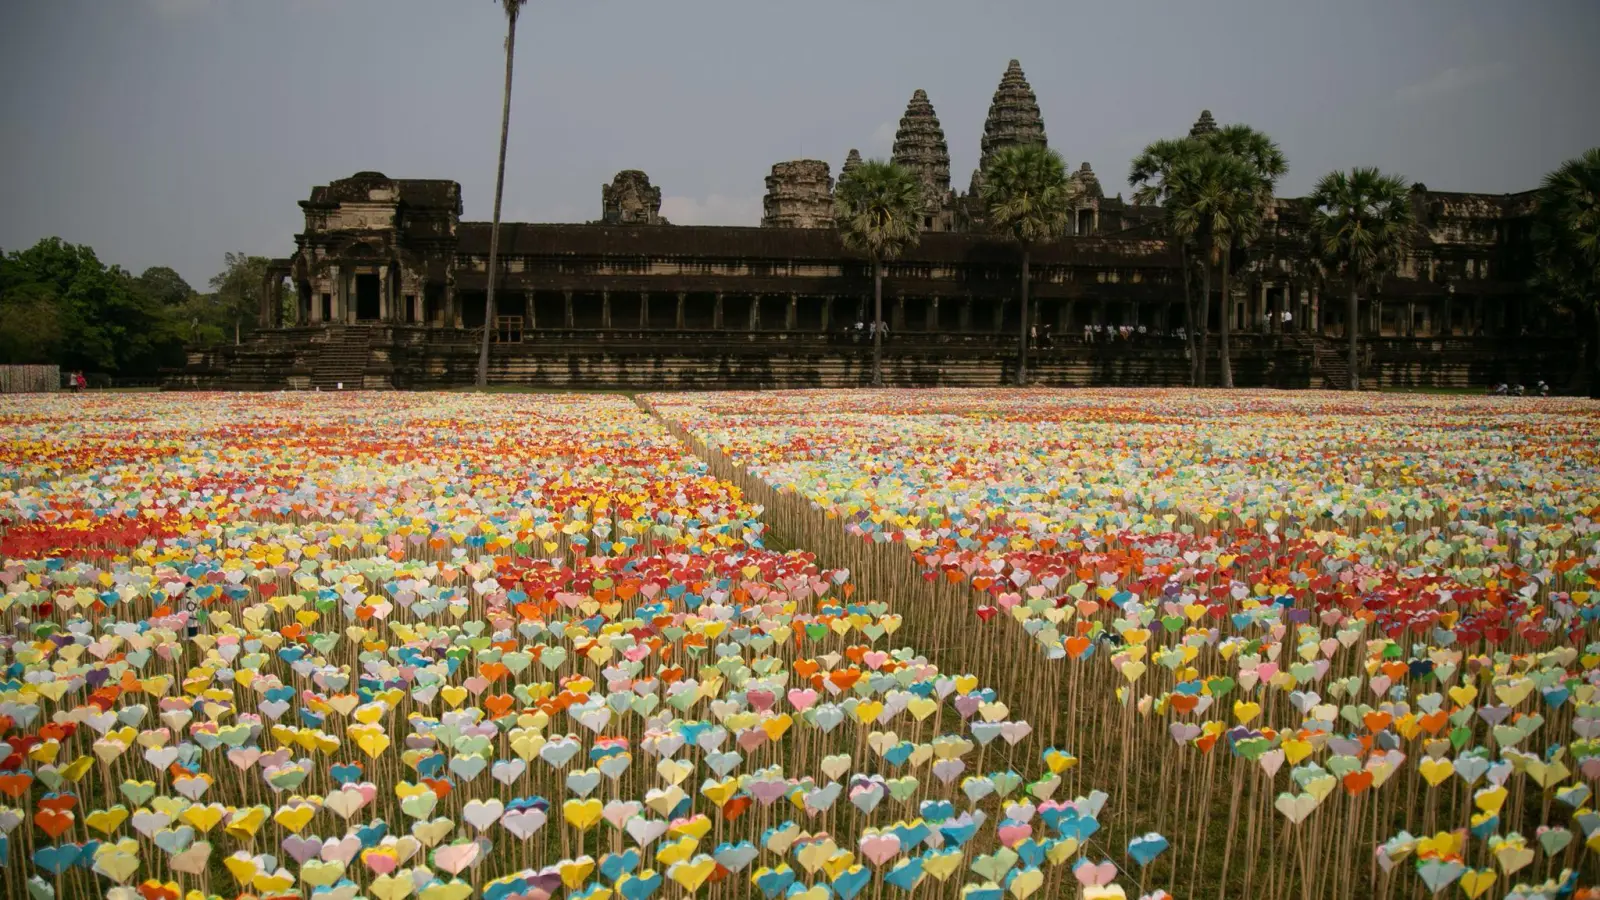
(1363, 224)
(877, 209)
(1027, 194)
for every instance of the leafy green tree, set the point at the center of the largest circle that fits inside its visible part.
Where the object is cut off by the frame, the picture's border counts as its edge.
(87, 315)
(877, 209)
(166, 286)
(30, 323)
(236, 293)
(513, 9)
(1361, 227)
(1027, 196)
(1567, 241)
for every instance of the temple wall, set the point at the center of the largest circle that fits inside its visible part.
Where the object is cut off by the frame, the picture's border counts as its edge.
(629, 357)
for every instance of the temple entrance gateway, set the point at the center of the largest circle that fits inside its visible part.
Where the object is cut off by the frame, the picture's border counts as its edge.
(369, 305)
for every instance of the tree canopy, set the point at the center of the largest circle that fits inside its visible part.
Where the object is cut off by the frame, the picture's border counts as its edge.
(59, 303)
(877, 209)
(1027, 195)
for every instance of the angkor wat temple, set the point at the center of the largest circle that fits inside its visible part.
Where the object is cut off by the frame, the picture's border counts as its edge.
(387, 289)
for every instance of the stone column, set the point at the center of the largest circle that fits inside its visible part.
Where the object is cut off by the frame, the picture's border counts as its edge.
(897, 317)
(793, 315)
(385, 308)
(1411, 318)
(264, 304)
(827, 312)
(716, 313)
(644, 310)
(316, 302)
(964, 317)
(1446, 326)
(605, 310)
(566, 299)
(753, 322)
(1261, 322)
(932, 321)
(1316, 310)
(682, 299)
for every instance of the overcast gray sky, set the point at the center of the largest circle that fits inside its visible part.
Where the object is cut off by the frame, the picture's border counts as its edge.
(166, 132)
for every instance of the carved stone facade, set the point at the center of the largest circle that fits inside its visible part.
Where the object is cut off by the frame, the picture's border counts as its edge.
(373, 248)
(799, 195)
(630, 199)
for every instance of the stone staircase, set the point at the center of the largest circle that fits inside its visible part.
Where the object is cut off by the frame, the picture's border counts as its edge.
(1328, 361)
(343, 359)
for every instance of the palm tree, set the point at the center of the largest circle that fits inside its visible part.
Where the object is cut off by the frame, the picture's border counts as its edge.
(1361, 226)
(1027, 196)
(1567, 240)
(1264, 164)
(1211, 204)
(877, 209)
(1150, 176)
(513, 9)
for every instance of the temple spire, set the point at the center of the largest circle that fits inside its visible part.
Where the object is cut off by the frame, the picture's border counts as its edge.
(920, 146)
(1203, 125)
(851, 163)
(1014, 118)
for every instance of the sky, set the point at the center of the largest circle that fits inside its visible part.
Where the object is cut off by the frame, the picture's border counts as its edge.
(168, 132)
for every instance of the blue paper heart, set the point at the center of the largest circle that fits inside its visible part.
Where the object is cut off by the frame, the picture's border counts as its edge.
(1146, 847)
(616, 865)
(775, 882)
(905, 874)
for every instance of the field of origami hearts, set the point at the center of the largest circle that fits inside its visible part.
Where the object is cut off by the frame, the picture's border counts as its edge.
(1329, 646)
(455, 646)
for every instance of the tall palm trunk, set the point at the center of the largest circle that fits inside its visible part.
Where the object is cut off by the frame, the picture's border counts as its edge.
(1226, 361)
(499, 189)
(877, 322)
(1188, 314)
(1594, 348)
(1205, 321)
(1352, 329)
(1022, 343)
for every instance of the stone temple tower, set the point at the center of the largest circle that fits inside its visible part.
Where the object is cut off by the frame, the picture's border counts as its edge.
(799, 195)
(852, 162)
(920, 146)
(630, 199)
(1014, 117)
(1203, 125)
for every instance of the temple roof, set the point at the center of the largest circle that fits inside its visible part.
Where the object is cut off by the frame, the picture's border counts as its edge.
(362, 187)
(738, 242)
(1203, 125)
(1014, 117)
